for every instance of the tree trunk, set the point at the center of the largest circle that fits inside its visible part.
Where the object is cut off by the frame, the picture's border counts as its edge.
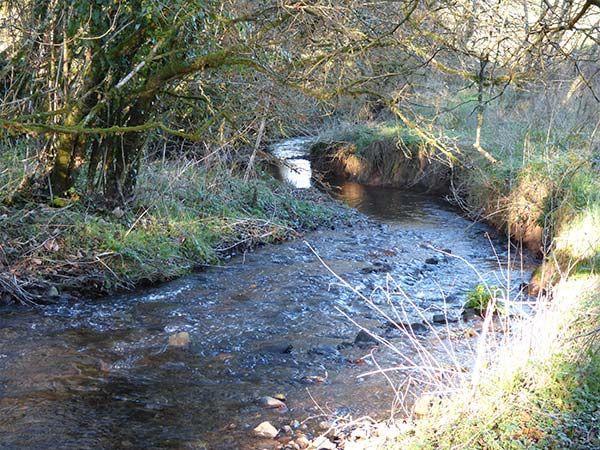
(124, 156)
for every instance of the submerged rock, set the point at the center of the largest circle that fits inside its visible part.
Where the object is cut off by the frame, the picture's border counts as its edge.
(266, 430)
(52, 292)
(469, 313)
(414, 327)
(377, 267)
(180, 340)
(271, 402)
(364, 338)
(444, 318)
(324, 350)
(278, 348)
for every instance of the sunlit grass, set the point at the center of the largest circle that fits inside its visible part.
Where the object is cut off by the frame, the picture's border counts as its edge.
(538, 390)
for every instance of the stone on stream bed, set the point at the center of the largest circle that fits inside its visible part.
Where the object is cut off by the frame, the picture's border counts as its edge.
(323, 443)
(324, 350)
(180, 340)
(377, 267)
(444, 318)
(271, 402)
(364, 338)
(469, 313)
(414, 327)
(265, 430)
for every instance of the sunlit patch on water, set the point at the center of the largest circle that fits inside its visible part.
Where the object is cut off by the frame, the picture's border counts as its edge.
(294, 164)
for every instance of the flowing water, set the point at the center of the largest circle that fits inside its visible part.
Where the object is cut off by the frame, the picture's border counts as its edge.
(100, 374)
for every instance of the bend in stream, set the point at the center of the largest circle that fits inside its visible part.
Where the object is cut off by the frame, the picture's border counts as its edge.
(101, 375)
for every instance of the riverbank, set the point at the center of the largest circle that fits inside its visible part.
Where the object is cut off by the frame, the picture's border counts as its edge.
(183, 217)
(538, 389)
(548, 204)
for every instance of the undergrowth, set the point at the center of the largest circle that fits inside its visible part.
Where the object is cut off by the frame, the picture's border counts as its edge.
(183, 216)
(541, 390)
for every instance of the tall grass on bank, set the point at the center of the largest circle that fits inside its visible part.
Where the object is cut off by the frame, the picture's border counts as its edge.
(539, 389)
(184, 215)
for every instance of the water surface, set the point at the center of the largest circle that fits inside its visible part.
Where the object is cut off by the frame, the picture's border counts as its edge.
(99, 374)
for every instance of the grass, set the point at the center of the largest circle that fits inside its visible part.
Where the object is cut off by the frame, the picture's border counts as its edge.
(387, 153)
(183, 216)
(365, 134)
(481, 298)
(539, 391)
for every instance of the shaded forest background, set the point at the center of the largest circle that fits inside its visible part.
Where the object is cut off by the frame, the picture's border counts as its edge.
(134, 134)
(91, 89)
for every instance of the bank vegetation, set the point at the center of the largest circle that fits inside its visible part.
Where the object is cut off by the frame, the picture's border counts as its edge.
(134, 147)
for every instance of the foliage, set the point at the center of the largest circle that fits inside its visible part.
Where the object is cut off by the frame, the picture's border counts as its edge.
(482, 297)
(547, 401)
(184, 217)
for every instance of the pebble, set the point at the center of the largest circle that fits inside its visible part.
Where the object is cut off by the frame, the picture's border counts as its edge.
(266, 430)
(443, 318)
(179, 340)
(324, 425)
(52, 292)
(323, 443)
(270, 402)
(302, 442)
(423, 405)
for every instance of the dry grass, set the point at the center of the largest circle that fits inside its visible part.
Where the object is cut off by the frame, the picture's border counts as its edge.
(526, 380)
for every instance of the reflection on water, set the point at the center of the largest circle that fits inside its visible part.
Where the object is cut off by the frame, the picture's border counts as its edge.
(294, 165)
(392, 205)
(297, 172)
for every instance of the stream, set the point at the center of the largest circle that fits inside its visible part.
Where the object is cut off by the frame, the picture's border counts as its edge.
(100, 374)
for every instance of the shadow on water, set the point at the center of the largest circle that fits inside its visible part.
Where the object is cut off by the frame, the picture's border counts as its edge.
(101, 375)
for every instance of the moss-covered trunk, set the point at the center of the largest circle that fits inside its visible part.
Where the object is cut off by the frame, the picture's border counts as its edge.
(123, 157)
